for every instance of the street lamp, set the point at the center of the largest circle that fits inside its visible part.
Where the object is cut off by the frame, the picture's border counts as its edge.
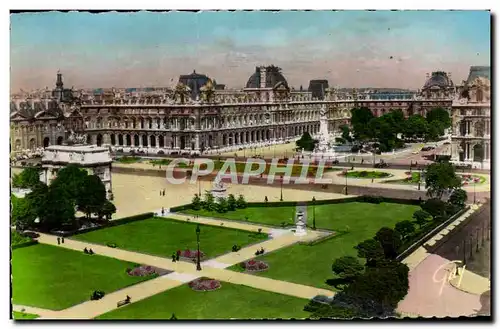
(314, 213)
(198, 265)
(345, 173)
(281, 191)
(474, 201)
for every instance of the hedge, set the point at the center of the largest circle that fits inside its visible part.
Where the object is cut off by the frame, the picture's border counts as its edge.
(112, 223)
(322, 239)
(362, 198)
(420, 238)
(24, 244)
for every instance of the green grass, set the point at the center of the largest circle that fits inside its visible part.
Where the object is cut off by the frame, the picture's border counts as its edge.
(159, 236)
(263, 215)
(367, 174)
(311, 265)
(128, 159)
(229, 302)
(56, 278)
(23, 316)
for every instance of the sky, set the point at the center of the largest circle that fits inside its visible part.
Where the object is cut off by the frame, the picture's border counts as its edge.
(381, 49)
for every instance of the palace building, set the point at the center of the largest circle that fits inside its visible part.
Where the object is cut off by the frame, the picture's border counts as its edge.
(200, 116)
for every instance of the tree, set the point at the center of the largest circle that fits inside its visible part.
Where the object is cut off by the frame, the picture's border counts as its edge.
(347, 267)
(306, 142)
(59, 210)
(28, 178)
(196, 203)
(440, 177)
(421, 217)
(92, 195)
(222, 205)
(434, 131)
(38, 198)
(107, 210)
(390, 241)
(415, 127)
(380, 289)
(241, 203)
(458, 198)
(371, 250)
(231, 202)
(441, 116)
(405, 228)
(346, 133)
(435, 207)
(360, 117)
(71, 179)
(209, 203)
(22, 215)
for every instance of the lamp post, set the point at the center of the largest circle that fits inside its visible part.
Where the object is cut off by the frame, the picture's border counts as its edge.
(314, 212)
(345, 173)
(198, 265)
(281, 190)
(474, 182)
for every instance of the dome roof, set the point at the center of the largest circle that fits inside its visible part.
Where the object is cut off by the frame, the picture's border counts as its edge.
(438, 79)
(194, 81)
(272, 77)
(479, 72)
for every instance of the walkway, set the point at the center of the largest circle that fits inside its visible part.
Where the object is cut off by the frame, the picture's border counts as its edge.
(34, 310)
(432, 293)
(183, 273)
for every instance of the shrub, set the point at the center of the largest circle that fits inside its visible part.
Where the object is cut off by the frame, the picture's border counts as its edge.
(204, 284)
(97, 294)
(111, 245)
(241, 203)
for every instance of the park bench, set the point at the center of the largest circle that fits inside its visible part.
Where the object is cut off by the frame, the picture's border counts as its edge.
(123, 302)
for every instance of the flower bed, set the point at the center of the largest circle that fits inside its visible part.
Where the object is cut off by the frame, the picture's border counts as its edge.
(472, 179)
(254, 266)
(145, 270)
(204, 284)
(365, 174)
(192, 254)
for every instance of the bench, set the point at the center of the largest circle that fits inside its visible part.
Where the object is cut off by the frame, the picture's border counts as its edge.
(123, 302)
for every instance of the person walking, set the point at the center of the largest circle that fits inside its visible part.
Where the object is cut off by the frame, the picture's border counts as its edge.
(162, 211)
(62, 240)
(58, 241)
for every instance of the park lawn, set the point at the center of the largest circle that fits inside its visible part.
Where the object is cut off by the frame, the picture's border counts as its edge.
(162, 237)
(311, 265)
(23, 316)
(273, 216)
(56, 278)
(231, 301)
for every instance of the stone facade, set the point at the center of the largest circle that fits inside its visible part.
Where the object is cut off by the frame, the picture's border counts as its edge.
(208, 120)
(471, 116)
(96, 160)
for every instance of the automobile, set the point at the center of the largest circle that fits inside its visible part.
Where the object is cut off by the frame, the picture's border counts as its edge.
(415, 152)
(31, 234)
(322, 299)
(381, 165)
(335, 162)
(446, 143)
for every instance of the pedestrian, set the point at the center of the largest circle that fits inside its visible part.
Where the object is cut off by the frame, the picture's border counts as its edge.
(160, 192)
(372, 180)
(62, 240)
(352, 168)
(128, 299)
(163, 192)
(58, 241)
(362, 160)
(162, 211)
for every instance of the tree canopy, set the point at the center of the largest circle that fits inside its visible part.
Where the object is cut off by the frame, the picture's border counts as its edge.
(306, 142)
(92, 195)
(28, 178)
(440, 177)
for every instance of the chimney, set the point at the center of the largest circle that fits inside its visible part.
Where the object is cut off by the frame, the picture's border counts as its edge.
(262, 72)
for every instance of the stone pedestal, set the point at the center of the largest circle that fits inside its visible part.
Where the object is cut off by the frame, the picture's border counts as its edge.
(301, 228)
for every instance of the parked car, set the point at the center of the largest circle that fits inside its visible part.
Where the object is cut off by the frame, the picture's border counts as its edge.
(31, 234)
(335, 162)
(446, 143)
(381, 165)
